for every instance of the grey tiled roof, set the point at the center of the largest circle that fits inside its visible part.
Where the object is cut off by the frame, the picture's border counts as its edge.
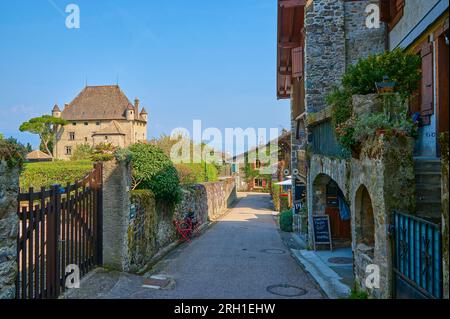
(98, 103)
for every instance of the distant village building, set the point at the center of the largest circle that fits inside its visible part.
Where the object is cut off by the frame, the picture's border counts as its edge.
(99, 114)
(38, 156)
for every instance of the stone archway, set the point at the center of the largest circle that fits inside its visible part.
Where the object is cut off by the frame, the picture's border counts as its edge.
(364, 221)
(329, 199)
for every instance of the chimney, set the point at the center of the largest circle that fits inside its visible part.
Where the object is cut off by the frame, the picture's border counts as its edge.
(136, 105)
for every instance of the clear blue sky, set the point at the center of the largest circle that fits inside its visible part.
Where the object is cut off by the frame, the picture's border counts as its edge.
(197, 59)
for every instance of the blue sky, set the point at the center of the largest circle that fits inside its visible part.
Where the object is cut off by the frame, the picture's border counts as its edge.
(200, 59)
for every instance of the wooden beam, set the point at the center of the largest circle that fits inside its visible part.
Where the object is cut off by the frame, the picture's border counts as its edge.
(292, 3)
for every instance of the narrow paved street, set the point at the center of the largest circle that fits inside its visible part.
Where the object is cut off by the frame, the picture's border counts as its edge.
(241, 256)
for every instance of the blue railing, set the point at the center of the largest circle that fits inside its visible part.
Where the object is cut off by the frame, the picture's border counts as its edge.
(418, 254)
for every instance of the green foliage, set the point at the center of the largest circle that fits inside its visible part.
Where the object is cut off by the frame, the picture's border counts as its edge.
(401, 67)
(358, 294)
(286, 220)
(104, 152)
(123, 154)
(1, 136)
(284, 203)
(44, 126)
(152, 169)
(82, 152)
(12, 152)
(195, 173)
(275, 192)
(341, 103)
(49, 173)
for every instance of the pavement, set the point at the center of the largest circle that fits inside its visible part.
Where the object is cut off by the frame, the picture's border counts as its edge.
(241, 256)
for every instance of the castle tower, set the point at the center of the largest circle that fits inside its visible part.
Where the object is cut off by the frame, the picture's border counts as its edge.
(144, 114)
(130, 113)
(56, 112)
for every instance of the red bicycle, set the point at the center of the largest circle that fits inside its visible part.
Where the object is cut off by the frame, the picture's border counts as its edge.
(187, 226)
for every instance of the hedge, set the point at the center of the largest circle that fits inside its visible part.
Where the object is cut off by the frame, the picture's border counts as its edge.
(194, 173)
(49, 173)
(286, 221)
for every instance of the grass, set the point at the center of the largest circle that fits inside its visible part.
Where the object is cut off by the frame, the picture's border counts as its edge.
(46, 174)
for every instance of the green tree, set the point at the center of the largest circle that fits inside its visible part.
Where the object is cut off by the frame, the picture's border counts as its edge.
(46, 127)
(152, 169)
(82, 152)
(1, 136)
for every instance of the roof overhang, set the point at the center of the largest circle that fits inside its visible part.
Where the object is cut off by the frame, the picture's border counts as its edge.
(291, 15)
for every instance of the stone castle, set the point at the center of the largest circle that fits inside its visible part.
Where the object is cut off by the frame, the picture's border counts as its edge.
(99, 114)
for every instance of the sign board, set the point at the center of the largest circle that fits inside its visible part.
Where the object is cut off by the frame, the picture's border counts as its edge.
(322, 231)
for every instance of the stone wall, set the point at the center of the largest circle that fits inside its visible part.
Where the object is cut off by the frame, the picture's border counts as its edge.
(324, 50)
(9, 188)
(116, 210)
(360, 41)
(150, 225)
(385, 171)
(445, 222)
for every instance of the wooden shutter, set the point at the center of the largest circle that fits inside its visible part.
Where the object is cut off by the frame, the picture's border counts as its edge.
(297, 62)
(427, 88)
(385, 11)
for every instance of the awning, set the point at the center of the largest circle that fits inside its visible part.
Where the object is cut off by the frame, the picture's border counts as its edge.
(287, 182)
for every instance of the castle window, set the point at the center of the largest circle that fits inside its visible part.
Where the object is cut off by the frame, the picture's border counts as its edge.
(74, 123)
(85, 139)
(86, 123)
(72, 136)
(97, 123)
(106, 138)
(69, 150)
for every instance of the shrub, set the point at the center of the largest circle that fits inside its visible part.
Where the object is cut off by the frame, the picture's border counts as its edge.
(12, 152)
(401, 67)
(284, 203)
(47, 174)
(286, 221)
(276, 196)
(82, 152)
(104, 152)
(152, 169)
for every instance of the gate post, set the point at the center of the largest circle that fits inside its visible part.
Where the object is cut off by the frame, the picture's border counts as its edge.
(9, 190)
(116, 211)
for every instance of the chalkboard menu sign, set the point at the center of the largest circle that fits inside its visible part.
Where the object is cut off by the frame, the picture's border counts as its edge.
(322, 231)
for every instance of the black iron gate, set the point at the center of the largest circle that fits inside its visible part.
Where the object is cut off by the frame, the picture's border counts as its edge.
(58, 227)
(417, 258)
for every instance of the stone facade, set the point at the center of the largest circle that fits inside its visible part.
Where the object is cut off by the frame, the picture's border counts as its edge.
(360, 41)
(99, 114)
(9, 188)
(325, 54)
(385, 173)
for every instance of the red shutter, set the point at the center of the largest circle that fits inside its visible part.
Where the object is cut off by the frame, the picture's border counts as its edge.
(427, 88)
(264, 183)
(297, 62)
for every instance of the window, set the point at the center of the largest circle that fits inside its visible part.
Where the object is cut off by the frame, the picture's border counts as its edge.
(69, 150)
(391, 11)
(106, 138)
(86, 123)
(74, 123)
(85, 139)
(72, 136)
(258, 164)
(97, 123)
(259, 182)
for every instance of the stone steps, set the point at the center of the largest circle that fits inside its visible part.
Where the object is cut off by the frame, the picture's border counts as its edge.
(428, 188)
